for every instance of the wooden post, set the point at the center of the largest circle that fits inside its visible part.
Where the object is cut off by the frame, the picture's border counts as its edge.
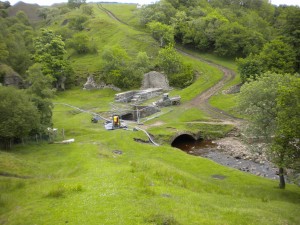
(63, 133)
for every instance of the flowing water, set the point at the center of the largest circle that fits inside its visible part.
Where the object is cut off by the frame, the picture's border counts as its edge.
(208, 149)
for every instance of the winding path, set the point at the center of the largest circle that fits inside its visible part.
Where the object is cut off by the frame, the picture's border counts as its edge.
(201, 101)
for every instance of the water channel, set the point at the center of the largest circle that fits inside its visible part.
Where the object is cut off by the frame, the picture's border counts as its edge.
(208, 149)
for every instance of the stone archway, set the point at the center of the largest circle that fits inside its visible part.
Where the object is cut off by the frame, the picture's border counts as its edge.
(183, 138)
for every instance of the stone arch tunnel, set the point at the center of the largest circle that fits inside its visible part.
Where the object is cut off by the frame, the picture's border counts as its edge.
(184, 140)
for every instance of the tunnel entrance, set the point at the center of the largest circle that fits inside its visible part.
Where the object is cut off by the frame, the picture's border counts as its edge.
(189, 144)
(128, 116)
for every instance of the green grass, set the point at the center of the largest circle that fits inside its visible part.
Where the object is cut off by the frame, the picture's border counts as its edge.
(225, 102)
(86, 183)
(167, 132)
(126, 13)
(105, 31)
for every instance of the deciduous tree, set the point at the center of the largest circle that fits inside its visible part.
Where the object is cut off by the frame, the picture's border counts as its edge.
(271, 102)
(162, 32)
(50, 52)
(18, 116)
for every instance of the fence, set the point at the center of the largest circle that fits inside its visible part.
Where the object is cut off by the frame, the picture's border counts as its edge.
(52, 135)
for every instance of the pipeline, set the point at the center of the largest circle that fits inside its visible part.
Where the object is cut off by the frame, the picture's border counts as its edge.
(95, 114)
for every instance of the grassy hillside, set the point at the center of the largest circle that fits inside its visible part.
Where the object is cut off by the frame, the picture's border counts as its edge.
(86, 183)
(103, 31)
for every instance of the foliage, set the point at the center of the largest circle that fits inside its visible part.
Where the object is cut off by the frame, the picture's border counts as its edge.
(4, 4)
(228, 28)
(50, 52)
(18, 116)
(288, 23)
(75, 3)
(250, 67)
(161, 32)
(77, 22)
(180, 74)
(118, 70)
(81, 43)
(161, 11)
(142, 62)
(286, 147)
(16, 42)
(40, 92)
(276, 56)
(87, 9)
(184, 78)
(169, 60)
(271, 102)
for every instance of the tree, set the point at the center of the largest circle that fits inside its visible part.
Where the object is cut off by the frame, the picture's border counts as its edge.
(80, 42)
(271, 102)
(75, 3)
(286, 146)
(4, 5)
(169, 60)
(115, 58)
(230, 39)
(250, 67)
(41, 92)
(4, 53)
(50, 52)
(142, 62)
(161, 32)
(77, 22)
(18, 116)
(23, 18)
(87, 9)
(278, 57)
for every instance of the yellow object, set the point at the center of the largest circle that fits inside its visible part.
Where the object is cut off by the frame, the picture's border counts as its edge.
(116, 120)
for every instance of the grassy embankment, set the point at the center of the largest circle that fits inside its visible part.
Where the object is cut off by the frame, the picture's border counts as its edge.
(86, 183)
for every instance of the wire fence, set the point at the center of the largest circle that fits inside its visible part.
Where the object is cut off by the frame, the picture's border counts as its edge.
(53, 135)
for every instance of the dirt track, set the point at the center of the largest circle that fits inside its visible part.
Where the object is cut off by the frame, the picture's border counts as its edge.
(230, 145)
(202, 100)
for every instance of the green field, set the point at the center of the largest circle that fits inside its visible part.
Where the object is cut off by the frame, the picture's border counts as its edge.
(86, 183)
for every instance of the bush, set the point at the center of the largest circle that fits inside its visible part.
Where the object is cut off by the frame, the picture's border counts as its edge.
(184, 78)
(77, 22)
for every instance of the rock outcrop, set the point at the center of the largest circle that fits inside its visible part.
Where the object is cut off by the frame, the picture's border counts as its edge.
(91, 84)
(9, 77)
(155, 79)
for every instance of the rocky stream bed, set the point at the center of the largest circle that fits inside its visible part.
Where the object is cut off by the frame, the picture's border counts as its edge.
(232, 152)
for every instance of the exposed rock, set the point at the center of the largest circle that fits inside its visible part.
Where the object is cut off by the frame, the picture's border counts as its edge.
(233, 89)
(91, 84)
(155, 79)
(9, 77)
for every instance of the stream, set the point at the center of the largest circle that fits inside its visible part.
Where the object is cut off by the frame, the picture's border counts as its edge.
(210, 150)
